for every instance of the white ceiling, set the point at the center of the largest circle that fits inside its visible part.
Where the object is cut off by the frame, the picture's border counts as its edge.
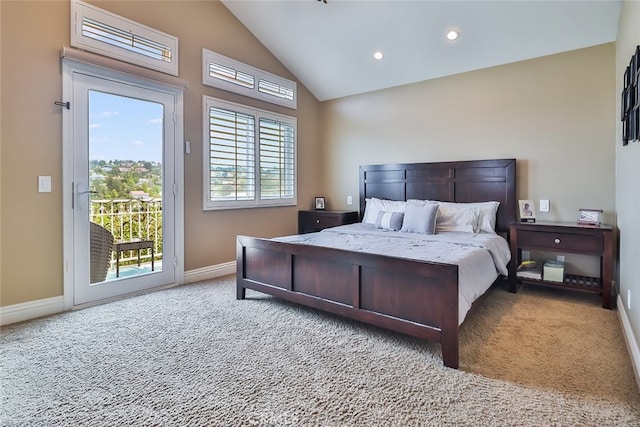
(329, 47)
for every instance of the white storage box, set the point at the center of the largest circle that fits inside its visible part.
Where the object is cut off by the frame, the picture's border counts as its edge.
(553, 271)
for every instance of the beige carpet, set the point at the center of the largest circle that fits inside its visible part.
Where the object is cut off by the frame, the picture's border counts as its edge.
(550, 339)
(195, 356)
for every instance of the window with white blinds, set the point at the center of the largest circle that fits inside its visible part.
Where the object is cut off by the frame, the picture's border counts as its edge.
(277, 172)
(226, 73)
(250, 157)
(111, 35)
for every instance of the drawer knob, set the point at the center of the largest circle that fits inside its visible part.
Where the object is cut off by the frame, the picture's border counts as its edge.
(557, 240)
(317, 221)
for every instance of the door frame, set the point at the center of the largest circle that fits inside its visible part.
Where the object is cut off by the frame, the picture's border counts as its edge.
(70, 66)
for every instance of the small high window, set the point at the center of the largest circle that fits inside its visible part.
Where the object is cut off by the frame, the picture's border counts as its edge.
(108, 34)
(225, 73)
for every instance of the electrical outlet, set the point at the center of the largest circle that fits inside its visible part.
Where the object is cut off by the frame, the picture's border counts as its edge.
(526, 255)
(560, 258)
(349, 200)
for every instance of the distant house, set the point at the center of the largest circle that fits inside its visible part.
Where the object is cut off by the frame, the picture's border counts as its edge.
(139, 195)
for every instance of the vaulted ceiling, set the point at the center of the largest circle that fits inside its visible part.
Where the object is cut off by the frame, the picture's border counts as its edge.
(329, 47)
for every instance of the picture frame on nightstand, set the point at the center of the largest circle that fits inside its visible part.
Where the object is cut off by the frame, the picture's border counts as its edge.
(590, 217)
(319, 203)
(527, 211)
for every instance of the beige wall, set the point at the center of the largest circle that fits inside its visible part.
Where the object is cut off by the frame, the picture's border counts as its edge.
(31, 146)
(32, 137)
(555, 115)
(628, 176)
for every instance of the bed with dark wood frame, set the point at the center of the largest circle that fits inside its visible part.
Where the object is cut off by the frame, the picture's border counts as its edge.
(417, 298)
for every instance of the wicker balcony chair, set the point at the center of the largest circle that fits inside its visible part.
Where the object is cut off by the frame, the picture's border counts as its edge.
(101, 243)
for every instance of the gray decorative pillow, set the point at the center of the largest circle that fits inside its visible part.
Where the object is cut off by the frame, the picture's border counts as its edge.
(420, 218)
(389, 220)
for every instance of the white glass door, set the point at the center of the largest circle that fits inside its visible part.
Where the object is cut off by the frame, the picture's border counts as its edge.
(123, 187)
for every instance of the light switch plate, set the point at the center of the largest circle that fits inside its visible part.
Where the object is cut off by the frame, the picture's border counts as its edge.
(544, 205)
(44, 184)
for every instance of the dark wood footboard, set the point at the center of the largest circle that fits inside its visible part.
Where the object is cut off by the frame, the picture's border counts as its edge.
(412, 297)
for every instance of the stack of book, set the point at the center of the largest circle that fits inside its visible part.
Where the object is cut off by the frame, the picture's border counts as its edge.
(529, 270)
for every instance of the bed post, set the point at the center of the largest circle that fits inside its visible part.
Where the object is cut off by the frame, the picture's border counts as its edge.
(240, 289)
(450, 328)
(450, 351)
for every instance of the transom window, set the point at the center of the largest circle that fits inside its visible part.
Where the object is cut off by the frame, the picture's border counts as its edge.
(250, 157)
(225, 73)
(111, 35)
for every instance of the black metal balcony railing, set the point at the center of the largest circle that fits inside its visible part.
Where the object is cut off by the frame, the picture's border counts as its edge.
(129, 220)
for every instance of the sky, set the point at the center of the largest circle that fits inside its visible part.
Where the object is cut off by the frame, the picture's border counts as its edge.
(122, 128)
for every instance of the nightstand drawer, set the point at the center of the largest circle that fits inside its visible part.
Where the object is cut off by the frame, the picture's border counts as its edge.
(580, 243)
(312, 221)
(322, 221)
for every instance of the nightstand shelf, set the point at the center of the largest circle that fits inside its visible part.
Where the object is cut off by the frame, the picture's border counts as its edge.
(313, 221)
(571, 281)
(563, 237)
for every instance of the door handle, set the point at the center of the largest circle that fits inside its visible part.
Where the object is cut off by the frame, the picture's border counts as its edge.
(77, 193)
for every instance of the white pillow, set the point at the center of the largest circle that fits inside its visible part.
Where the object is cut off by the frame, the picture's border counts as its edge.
(456, 218)
(420, 217)
(374, 205)
(487, 212)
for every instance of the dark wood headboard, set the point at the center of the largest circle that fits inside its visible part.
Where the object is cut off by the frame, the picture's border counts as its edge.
(463, 181)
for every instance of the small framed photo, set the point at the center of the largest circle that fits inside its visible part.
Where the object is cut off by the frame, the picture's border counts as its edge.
(527, 211)
(319, 203)
(590, 217)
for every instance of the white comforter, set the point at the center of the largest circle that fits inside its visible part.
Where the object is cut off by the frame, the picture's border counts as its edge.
(479, 257)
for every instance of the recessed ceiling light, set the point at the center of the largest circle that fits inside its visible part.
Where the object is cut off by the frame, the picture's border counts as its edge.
(453, 34)
(378, 55)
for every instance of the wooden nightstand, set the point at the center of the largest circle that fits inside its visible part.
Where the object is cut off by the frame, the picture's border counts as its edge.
(565, 237)
(312, 221)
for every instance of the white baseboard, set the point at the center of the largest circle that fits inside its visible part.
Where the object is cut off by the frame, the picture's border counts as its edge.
(210, 272)
(45, 307)
(629, 337)
(31, 310)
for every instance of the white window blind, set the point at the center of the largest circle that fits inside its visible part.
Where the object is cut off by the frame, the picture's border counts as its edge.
(248, 165)
(125, 40)
(231, 155)
(277, 175)
(275, 89)
(111, 35)
(225, 73)
(231, 75)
